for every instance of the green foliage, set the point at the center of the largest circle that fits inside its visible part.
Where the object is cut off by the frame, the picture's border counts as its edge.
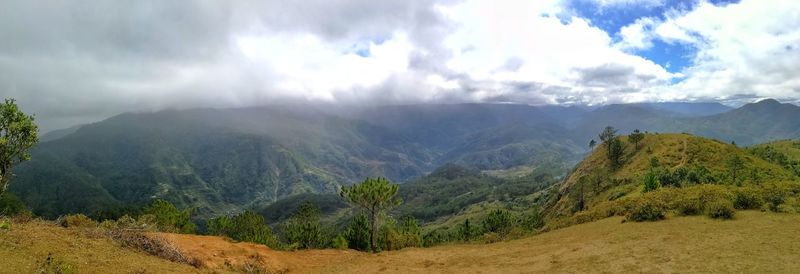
(246, 226)
(5, 224)
(169, 219)
(774, 195)
(375, 196)
(498, 221)
(651, 181)
(339, 242)
(533, 220)
(11, 205)
(358, 233)
(467, 230)
(76, 221)
(647, 209)
(304, 228)
(735, 165)
(18, 133)
(616, 151)
(748, 198)
(720, 209)
(636, 137)
(396, 236)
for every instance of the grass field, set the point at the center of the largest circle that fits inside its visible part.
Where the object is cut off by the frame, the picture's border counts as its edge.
(754, 242)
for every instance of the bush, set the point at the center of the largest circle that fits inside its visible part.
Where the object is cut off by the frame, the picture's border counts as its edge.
(169, 219)
(774, 196)
(498, 221)
(491, 237)
(533, 221)
(647, 209)
(688, 206)
(76, 220)
(651, 181)
(10, 205)
(304, 228)
(339, 242)
(246, 226)
(357, 233)
(720, 209)
(395, 236)
(747, 198)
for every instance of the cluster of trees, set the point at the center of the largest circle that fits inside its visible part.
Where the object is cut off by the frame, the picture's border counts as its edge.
(615, 147)
(496, 225)
(772, 155)
(658, 176)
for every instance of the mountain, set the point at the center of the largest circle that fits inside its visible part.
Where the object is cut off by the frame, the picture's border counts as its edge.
(216, 160)
(225, 160)
(679, 109)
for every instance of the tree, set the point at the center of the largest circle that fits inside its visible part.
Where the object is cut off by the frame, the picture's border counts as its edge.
(636, 137)
(168, 218)
(735, 164)
(304, 228)
(616, 149)
(592, 143)
(614, 146)
(651, 181)
(375, 196)
(607, 134)
(247, 226)
(18, 133)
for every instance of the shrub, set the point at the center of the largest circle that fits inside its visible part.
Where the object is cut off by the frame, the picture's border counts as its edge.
(339, 242)
(720, 209)
(304, 228)
(357, 233)
(76, 220)
(651, 181)
(498, 221)
(467, 230)
(533, 221)
(647, 209)
(394, 236)
(688, 206)
(747, 198)
(53, 265)
(5, 224)
(10, 205)
(774, 196)
(246, 226)
(169, 219)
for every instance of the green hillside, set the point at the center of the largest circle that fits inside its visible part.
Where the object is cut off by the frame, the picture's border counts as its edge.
(697, 160)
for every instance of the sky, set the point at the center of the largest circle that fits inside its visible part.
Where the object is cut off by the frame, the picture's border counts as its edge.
(71, 62)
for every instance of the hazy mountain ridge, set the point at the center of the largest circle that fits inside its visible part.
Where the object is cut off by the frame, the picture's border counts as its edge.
(227, 159)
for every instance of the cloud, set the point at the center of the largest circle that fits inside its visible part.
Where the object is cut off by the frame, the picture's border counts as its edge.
(80, 62)
(747, 48)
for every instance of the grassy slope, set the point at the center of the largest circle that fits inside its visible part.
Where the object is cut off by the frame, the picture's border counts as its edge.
(25, 247)
(672, 151)
(789, 147)
(754, 242)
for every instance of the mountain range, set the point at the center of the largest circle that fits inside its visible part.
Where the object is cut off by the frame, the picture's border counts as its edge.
(224, 160)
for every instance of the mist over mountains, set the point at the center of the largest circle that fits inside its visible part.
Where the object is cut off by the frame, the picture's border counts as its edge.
(223, 160)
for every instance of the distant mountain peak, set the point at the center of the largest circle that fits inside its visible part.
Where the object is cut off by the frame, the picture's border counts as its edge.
(768, 101)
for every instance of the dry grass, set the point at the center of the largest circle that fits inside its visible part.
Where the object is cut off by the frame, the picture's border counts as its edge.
(25, 248)
(754, 242)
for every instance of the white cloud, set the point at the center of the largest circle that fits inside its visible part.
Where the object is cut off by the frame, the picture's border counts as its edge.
(573, 56)
(749, 49)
